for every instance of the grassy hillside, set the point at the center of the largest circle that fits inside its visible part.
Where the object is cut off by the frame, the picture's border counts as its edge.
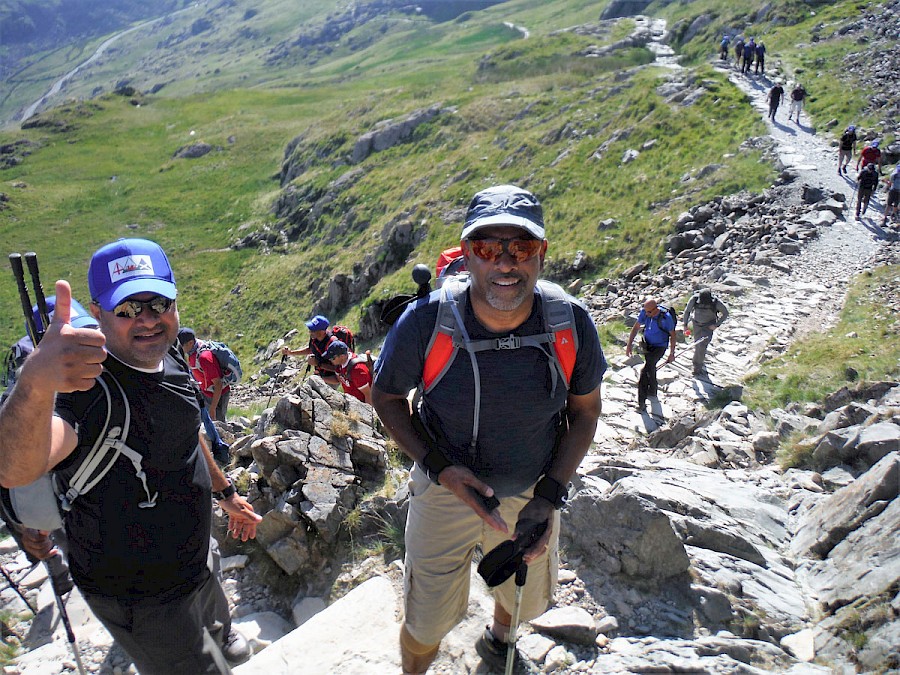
(530, 111)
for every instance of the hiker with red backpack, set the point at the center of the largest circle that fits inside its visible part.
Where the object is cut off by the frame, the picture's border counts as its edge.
(139, 537)
(352, 370)
(509, 369)
(320, 338)
(658, 323)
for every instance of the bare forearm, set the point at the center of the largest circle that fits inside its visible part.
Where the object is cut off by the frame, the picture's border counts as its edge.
(216, 476)
(25, 435)
(575, 444)
(395, 415)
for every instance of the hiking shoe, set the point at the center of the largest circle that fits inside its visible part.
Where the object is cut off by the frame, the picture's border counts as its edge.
(235, 647)
(493, 651)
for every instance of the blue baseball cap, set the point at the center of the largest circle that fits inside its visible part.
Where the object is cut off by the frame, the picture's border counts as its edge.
(336, 348)
(318, 322)
(127, 267)
(79, 316)
(504, 205)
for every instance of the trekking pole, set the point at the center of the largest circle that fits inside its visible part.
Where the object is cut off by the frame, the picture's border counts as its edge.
(15, 261)
(64, 615)
(521, 575)
(272, 392)
(684, 351)
(13, 585)
(39, 298)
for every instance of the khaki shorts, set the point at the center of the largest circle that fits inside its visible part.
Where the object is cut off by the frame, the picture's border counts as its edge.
(441, 535)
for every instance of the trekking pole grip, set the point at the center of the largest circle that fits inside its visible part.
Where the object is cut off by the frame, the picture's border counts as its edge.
(15, 261)
(40, 299)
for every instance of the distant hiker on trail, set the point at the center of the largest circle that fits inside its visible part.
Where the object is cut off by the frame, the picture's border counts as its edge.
(139, 538)
(208, 375)
(352, 371)
(509, 410)
(871, 154)
(798, 95)
(846, 148)
(319, 340)
(708, 314)
(892, 183)
(659, 332)
(760, 59)
(867, 181)
(749, 53)
(723, 48)
(738, 50)
(776, 93)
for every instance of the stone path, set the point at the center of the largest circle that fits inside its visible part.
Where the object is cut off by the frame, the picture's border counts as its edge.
(768, 306)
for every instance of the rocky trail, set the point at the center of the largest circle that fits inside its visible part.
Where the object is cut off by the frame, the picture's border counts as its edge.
(685, 549)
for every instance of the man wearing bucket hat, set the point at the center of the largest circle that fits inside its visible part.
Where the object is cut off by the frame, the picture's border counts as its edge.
(138, 538)
(320, 338)
(508, 411)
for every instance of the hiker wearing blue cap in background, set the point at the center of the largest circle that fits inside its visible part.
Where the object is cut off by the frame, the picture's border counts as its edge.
(320, 338)
(510, 369)
(139, 536)
(846, 148)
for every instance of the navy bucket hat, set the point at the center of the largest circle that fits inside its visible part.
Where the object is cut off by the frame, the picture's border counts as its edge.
(505, 205)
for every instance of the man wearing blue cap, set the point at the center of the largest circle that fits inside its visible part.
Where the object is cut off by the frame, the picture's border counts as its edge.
(320, 339)
(139, 538)
(510, 370)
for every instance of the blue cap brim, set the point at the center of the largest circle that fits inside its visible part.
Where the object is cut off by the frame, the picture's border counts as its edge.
(135, 286)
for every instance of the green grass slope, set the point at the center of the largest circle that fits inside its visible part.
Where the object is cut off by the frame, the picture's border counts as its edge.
(530, 111)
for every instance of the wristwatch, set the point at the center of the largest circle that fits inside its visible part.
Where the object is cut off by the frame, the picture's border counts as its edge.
(225, 492)
(434, 462)
(552, 490)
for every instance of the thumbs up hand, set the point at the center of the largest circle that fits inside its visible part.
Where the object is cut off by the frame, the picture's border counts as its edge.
(67, 358)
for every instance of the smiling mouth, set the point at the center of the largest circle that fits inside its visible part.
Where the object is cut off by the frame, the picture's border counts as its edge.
(505, 282)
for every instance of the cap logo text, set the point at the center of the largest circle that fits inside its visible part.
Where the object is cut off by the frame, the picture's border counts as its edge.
(129, 266)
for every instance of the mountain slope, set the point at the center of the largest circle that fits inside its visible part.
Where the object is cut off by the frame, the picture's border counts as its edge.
(553, 111)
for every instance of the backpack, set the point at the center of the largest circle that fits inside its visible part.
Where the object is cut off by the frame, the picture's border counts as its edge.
(40, 504)
(671, 312)
(14, 359)
(228, 361)
(345, 335)
(559, 341)
(450, 262)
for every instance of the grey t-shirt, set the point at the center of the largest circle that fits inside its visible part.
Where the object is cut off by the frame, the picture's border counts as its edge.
(519, 420)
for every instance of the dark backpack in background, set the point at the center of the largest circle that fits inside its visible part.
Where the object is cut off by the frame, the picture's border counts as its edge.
(671, 312)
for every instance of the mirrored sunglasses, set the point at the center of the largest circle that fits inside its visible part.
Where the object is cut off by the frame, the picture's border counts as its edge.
(129, 309)
(519, 250)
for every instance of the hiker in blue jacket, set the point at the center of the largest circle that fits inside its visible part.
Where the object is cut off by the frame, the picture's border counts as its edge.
(509, 415)
(139, 538)
(659, 331)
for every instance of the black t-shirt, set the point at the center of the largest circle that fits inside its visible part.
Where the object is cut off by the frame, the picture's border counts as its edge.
(118, 548)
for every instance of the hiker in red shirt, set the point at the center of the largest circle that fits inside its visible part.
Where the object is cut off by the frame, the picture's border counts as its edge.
(352, 371)
(871, 154)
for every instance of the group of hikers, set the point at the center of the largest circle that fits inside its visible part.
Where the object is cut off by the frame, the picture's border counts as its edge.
(495, 436)
(747, 54)
(869, 171)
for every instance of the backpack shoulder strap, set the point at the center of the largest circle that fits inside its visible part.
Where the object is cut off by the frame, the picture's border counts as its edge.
(559, 322)
(447, 336)
(108, 446)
